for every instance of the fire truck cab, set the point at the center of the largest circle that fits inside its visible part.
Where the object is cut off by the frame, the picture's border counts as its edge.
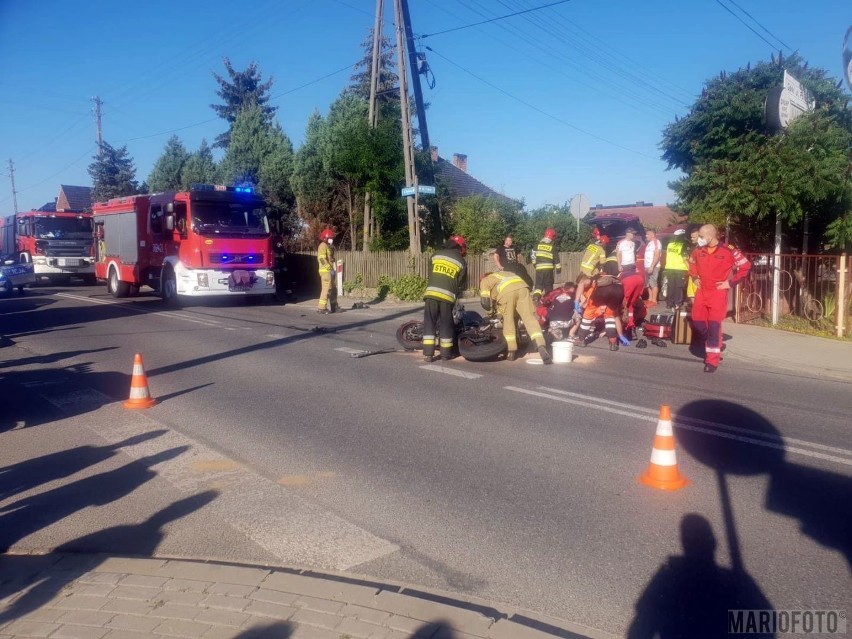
(208, 241)
(59, 245)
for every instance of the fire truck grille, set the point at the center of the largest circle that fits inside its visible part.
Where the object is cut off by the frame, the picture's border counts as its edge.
(236, 258)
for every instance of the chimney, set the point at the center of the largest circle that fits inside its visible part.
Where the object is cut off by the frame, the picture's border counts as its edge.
(460, 161)
(433, 150)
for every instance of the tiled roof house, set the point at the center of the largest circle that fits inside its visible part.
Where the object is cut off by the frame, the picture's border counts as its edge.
(652, 217)
(454, 176)
(74, 198)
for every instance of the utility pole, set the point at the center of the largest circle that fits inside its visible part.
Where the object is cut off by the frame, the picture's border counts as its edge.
(375, 71)
(14, 192)
(425, 144)
(98, 103)
(407, 137)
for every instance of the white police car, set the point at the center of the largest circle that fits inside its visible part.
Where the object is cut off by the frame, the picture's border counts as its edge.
(14, 274)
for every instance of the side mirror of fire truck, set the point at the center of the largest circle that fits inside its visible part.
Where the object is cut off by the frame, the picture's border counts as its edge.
(170, 222)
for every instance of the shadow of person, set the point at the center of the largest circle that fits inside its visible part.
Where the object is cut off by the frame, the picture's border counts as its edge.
(30, 514)
(131, 539)
(276, 630)
(813, 496)
(690, 596)
(28, 474)
(435, 629)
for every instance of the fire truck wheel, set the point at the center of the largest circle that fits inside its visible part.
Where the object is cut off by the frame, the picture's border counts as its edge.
(115, 286)
(168, 287)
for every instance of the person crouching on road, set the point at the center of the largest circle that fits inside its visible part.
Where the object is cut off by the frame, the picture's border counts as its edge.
(507, 294)
(447, 271)
(712, 265)
(546, 263)
(603, 297)
(325, 260)
(556, 310)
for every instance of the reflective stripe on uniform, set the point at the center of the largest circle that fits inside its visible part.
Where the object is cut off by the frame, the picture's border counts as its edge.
(441, 294)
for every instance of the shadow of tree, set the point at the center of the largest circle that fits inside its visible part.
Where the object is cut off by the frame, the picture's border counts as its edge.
(28, 474)
(131, 539)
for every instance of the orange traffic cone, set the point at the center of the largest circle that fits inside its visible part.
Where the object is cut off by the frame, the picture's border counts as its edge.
(662, 473)
(140, 396)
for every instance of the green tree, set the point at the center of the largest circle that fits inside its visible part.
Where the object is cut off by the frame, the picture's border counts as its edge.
(199, 168)
(276, 170)
(113, 174)
(531, 229)
(359, 83)
(250, 145)
(484, 222)
(167, 172)
(737, 170)
(311, 182)
(240, 90)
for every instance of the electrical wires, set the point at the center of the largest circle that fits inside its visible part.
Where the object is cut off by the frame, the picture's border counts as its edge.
(757, 22)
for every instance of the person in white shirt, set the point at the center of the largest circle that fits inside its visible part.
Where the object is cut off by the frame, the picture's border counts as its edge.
(625, 252)
(653, 249)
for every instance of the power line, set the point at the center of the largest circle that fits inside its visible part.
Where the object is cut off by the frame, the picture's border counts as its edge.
(541, 111)
(476, 24)
(787, 46)
(748, 26)
(50, 177)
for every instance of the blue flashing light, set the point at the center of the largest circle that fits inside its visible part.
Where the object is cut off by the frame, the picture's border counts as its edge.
(225, 258)
(250, 258)
(243, 189)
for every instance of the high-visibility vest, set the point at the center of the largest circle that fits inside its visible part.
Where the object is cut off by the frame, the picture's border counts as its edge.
(592, 259)
(675, 260)
(544, 257)
(446, 272)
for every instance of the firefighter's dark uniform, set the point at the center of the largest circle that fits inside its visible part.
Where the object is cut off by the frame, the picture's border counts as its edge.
(545, 265)
(511, 296)
(446, 278)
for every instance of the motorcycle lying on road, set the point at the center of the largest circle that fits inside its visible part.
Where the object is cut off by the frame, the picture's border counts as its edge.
(485, 341)
(410, 334)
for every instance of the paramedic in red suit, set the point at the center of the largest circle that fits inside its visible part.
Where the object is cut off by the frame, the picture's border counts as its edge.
(713, 266)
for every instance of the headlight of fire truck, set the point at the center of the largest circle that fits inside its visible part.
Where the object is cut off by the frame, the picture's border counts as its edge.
(202, 280)
(270, 279)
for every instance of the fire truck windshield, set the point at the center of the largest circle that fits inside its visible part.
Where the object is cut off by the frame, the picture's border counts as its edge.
(228, 218)
(63, 228)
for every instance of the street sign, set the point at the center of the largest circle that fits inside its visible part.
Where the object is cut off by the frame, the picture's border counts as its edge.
(422, 189)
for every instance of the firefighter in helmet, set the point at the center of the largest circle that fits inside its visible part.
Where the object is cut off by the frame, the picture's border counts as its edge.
(326, 263)
(447, 272)
(595, 254)
(507, 294)
(546, 262)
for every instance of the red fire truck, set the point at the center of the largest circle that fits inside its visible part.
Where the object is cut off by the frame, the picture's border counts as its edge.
(208, 241)
(58, 244)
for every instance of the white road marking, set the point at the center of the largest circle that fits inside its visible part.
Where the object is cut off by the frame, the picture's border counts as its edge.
(139, 311)
(275, 336)
(450, 371)
(351, 351)
(635, 412)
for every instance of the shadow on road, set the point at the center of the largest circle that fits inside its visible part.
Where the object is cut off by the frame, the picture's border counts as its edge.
(690, 595)
(818, 499)
(24, 406)
(44, 581)
(30, 514)
(276, 630)
(26, 475)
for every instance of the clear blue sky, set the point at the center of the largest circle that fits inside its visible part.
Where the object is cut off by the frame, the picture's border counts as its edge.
(608, 75)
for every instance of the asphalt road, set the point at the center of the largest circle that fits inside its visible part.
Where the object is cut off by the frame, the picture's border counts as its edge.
(508, 481)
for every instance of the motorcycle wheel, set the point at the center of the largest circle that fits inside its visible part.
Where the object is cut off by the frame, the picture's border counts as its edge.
(410, 335)
(482, 344)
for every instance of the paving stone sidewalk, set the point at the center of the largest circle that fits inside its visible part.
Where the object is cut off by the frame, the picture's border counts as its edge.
(100, 597)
